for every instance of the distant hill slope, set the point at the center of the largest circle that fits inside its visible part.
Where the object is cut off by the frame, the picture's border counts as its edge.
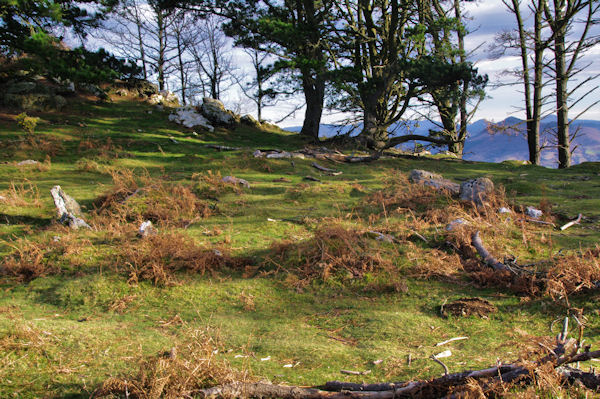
(498, 147)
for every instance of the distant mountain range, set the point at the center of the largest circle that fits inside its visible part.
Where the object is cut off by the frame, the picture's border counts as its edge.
(507, 143)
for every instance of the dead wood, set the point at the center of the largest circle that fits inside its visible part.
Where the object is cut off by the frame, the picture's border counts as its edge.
(571, 223)
(326, 170)
(487, 257)
(221, 147)
(311, 178)
(352, 372)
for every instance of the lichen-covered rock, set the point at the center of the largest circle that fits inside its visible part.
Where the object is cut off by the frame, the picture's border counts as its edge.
(216, 113)
(188, 117)
(250, 121)
(165, 98)
(235, 181)
(476, 190)
(34, 101)
(433, 180)
(94, 90)
(141, 87)
(67, 209)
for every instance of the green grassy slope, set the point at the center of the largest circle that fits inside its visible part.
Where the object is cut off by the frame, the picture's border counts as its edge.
(65, 332)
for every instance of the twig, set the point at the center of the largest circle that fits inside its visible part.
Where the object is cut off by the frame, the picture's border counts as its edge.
(537, 221)
(571, 223)
(438, 361)
(351, 372)
(451, 339)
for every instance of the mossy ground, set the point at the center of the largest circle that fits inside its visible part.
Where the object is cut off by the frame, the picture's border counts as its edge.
(62, 334)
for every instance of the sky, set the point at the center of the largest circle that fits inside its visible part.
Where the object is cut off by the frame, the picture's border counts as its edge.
(487, 19)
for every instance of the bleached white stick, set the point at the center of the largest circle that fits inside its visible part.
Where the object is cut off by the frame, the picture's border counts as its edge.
(450, 340)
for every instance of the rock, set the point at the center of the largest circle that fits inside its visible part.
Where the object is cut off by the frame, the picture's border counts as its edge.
(22, 87)
(422, 153)
(94, 90)
(449, 154)
(188, 117)
(34, 101)
(381, 237)
(215, 112)
(65, 86)
(68, 210)
(165, 98)
(298, 155)
(258, 154)
(27, 162)
(250, 121)
(453, 225)
(533, 212)
(235, 180)
(141, 87)
(476, 190)
(146, 229)
(433, 180)
(504, 210)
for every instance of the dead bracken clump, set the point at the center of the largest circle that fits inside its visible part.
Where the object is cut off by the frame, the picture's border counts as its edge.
(468, 307)
(211, 185)
(53, 255)
(177, 373)
(400, 193)
(22, 194)
(100, 148)
(333, 251)
(142, 197)
(157, 258)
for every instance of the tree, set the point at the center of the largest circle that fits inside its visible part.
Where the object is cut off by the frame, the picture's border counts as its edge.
(295, 32)
(24, 20)
(552, 33)
(562, 16)
(257, 90)
(445, 26)
(142, 30)
(126, 32)
(385, 64)
(212, 56)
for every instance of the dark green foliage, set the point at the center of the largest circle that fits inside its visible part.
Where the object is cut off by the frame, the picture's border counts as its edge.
(77, 65)
(23, 19)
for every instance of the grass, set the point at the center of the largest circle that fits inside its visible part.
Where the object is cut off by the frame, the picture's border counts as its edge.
(283, 270)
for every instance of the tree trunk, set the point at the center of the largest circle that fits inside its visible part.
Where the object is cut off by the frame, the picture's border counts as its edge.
(314, 93)
(562, 108)
(181, 68)
(161, 50)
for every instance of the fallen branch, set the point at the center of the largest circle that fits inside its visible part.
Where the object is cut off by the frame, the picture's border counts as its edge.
(537, 221)
(326, 170)
(571, 223)
(221, 147)
(487, 257)
(350, 372)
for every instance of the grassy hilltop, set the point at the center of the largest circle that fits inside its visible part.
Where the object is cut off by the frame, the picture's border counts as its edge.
(284, 270)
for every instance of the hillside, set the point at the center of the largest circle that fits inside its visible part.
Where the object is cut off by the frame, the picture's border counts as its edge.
(509, 145)
(282, 281)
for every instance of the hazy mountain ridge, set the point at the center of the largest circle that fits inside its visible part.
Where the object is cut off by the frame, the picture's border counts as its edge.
(500, 141)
